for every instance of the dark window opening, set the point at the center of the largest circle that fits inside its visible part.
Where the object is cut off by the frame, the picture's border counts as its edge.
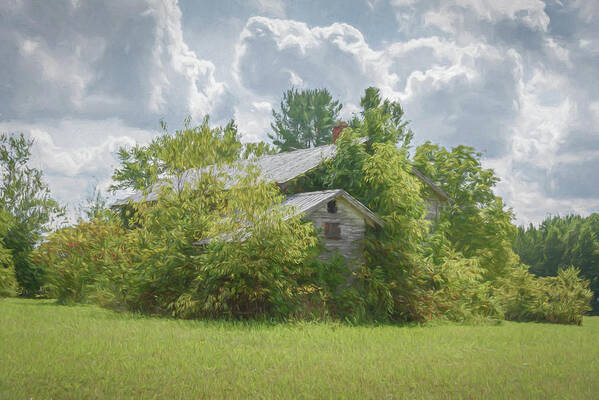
(332, 230)
(332, 207)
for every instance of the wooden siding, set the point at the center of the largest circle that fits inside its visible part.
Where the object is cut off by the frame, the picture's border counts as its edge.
(353, 229)
(433, 208)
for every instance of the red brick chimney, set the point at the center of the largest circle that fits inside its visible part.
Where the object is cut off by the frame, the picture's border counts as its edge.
(337, 129)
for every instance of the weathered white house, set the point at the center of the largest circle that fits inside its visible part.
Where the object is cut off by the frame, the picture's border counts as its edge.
(342, 221)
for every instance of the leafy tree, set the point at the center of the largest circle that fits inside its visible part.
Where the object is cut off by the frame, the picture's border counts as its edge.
(305, 120)
(476, 221)
(25, 195)
(382, 120)
(222, 247)
(201, 249)
(257, 149)
(190, 147)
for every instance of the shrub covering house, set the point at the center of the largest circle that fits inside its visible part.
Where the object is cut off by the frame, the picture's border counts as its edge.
(340, 219)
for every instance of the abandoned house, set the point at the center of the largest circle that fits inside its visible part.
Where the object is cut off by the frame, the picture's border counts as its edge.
(340, 219)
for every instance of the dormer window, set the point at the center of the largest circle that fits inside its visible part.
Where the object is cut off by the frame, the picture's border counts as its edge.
(332, 207)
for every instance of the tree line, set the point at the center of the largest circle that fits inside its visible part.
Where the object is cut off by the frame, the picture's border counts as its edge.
(209, 249)
(561, 241)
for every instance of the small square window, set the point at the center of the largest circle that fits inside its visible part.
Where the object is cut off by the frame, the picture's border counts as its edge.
(332, 207)
(332, 230)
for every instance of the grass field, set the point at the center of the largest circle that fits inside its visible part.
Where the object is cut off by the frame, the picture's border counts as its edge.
(49, 351)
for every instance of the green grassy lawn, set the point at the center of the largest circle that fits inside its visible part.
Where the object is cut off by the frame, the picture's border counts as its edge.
(50, 351)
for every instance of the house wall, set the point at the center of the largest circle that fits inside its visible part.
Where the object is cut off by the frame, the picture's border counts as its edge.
(433, 208)
(353, 229)
(434, 203)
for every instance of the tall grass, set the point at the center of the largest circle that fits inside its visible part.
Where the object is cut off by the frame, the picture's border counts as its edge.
(50, 351)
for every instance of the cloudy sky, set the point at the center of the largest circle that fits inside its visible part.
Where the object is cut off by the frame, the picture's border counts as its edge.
(517, 79)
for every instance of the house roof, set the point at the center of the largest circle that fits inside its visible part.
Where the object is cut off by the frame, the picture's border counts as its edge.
(306, 203)
(279, 168)
(436, 189)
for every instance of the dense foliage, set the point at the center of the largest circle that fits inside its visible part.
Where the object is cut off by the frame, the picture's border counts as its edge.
(26, 197)
(8, 280)
(197, 251)
(223, 246)
(476, 221)
(560, 299)
(189, 147)
(559, 242)
(305, 119)
(186, 258)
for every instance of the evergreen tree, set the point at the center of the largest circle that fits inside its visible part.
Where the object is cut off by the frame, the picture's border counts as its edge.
(559, 242)
(305, 120)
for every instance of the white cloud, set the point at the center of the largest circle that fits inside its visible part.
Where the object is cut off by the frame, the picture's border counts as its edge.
(74, 161)
(540, 128)
(179, 75)
(74, 154)
(558, 51)
(497, 75)
(531, 12)
(273, 7)
(594, 109)
(273, 54)
(137, 67)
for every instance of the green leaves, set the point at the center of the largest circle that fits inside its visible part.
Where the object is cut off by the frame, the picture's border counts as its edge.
(476, 222)
(561, 299)
(559, 242)
(173, 154)
(26, 197)
(382, 121)
(306, 119)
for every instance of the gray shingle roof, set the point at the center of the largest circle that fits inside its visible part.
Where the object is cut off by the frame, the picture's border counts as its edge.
(305, 203)
(279, 168)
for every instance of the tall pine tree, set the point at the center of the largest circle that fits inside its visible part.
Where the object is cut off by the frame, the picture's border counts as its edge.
(305, 119)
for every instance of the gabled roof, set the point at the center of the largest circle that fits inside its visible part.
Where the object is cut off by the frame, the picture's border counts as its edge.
(306, 203)
(278, 168)
(436, 189)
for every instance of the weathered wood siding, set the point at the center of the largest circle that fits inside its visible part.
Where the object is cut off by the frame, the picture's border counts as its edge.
(353, 229)
(433, 208)
(434, 204)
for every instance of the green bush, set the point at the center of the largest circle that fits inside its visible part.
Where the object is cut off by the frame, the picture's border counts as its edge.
(197, 251)
(568, 297)
(564, 298)
(463, 294)
(255, 259)
(78, 260)
(225, 248)
(8, 282)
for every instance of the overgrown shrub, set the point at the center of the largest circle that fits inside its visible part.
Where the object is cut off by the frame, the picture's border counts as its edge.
(560, 241)
(463, 294)
(253, 266)
(80, 260)
(223, 247)
(8, 282)
(564, 298)
(8, 279)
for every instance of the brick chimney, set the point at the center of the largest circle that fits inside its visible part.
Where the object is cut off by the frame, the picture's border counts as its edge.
(337, 129)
